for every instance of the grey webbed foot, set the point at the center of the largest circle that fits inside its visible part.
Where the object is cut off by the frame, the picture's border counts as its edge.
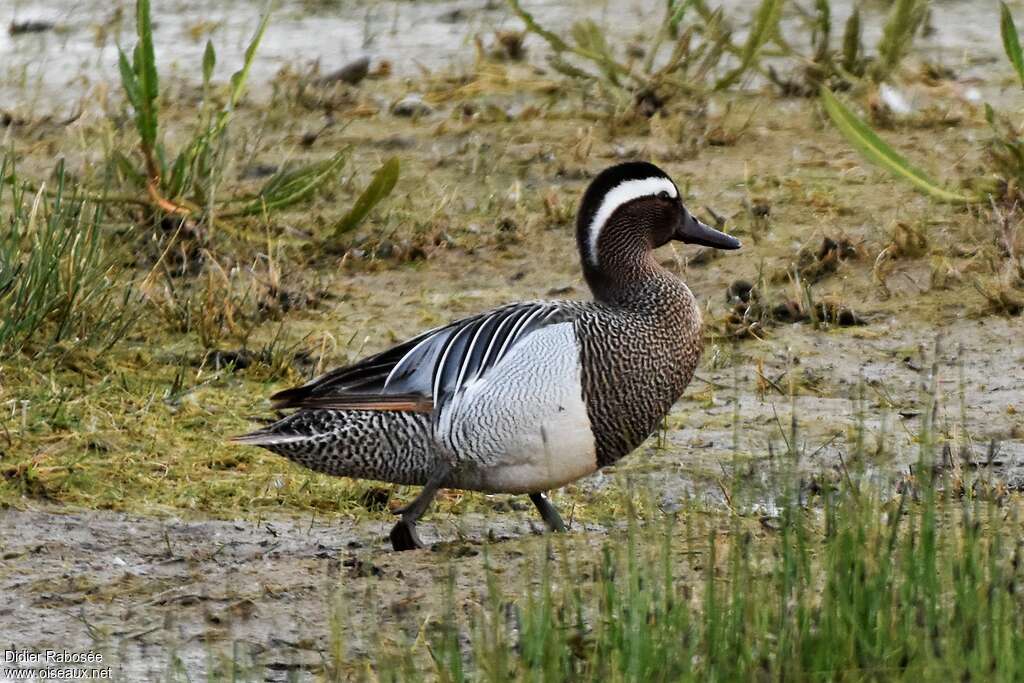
(404, 537)
(548, 512)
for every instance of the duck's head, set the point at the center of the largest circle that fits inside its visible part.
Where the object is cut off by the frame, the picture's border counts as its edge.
(628, 211)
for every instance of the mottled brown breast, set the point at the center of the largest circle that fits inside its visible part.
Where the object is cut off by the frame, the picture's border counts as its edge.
(637, 354)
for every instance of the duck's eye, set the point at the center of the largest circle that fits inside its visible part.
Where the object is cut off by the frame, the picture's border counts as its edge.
(663, 195)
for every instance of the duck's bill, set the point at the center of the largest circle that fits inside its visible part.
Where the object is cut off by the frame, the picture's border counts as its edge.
(692, 231)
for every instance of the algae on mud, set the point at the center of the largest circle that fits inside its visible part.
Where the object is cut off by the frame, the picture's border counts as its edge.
(129, 524)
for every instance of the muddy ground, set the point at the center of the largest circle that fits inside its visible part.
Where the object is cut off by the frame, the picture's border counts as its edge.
(173, 574)
(163, 592)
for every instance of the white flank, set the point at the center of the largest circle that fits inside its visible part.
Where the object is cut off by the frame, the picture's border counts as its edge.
(523, 426)
(621, 194)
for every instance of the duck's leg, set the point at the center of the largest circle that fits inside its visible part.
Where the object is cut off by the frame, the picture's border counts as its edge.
(403, 535)
(547, 511)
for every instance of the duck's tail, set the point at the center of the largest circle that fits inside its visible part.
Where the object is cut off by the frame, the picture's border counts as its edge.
(390, 446)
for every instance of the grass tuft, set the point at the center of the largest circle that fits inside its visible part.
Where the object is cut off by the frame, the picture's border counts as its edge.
(60, 287)
(905, 18)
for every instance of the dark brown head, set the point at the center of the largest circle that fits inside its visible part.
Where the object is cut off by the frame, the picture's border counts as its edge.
(628, 211)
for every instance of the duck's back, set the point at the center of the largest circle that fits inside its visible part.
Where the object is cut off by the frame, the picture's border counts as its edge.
(485, 396)
(568, 398)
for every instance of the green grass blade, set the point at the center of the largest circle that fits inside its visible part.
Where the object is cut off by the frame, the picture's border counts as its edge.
(851, 42)
(128, 80)
(678, 13)
(822, 35)
(1011, 41)
(765, 25)
(905, 18)
(146, 75)
(380, 187)
(209, 62)
(239, 78)
(877, 151)
(290, 187)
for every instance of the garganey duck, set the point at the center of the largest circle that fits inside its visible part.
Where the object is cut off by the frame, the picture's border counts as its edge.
(529, 396)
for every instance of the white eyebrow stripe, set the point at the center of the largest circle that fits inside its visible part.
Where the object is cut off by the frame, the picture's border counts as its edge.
(623, 193)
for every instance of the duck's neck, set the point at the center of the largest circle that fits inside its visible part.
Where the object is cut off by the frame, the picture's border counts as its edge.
(631, 278)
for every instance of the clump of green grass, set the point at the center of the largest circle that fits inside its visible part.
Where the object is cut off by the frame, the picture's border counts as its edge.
(857, 581)
(848, 62)
(188, 184)
(880, 591)
(703, 58)
(689, 65)
(60, 286)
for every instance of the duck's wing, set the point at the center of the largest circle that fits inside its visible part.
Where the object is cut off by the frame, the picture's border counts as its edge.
(421, 374)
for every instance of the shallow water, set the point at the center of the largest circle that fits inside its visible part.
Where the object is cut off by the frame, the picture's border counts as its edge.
(64, 65)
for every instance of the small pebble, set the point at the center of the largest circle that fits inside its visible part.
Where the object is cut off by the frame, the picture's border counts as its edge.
(411, 106)
(352, 73)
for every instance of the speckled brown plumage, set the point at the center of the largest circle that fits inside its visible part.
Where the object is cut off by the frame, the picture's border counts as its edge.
(638, 365)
